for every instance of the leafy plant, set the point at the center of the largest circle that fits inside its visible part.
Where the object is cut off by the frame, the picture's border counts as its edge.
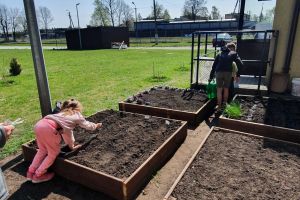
(15, 67)
(233, 110)
(157, 75)
(182, 68)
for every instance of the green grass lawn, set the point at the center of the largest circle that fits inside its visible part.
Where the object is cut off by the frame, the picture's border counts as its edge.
(98, 78)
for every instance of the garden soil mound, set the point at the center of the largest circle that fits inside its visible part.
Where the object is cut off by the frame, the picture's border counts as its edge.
(171, 98)
(235, 166)
(276, 112)
(124, 142)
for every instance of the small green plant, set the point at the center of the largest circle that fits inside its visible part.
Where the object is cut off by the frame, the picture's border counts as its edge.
(157, 75)
(15, 67)
(182, 68)
(233, 110)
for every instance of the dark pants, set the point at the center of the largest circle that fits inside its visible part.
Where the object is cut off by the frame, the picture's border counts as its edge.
(231, 90)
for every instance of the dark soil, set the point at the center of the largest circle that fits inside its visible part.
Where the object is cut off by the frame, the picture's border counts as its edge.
(235, 166)
(58, 188)
(171, 98)
(124, 142)
(276, 112)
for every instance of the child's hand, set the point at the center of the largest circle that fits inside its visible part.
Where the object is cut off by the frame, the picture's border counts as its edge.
(77, 146)
(8, 130)
(99, 125)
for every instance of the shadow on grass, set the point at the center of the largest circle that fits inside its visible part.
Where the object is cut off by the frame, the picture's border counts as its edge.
(157, 79)
(6, 83)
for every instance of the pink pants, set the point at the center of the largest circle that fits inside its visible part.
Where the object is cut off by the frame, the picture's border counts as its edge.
(48, 140)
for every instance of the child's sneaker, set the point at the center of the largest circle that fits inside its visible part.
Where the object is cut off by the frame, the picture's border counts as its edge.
(29, 176)
(43, 178)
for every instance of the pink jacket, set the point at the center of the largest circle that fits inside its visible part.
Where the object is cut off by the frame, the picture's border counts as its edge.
(69, 122)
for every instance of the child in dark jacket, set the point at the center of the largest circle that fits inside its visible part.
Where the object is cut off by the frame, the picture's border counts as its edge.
(222, 70)
(49, 132)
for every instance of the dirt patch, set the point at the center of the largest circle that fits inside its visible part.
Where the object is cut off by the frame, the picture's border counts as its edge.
(271, 111)
(235, 166)
(171, 98)
(124, 142)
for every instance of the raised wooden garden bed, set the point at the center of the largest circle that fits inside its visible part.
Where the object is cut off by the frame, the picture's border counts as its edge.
(120, 158)
(270, 117)
(191, 106)
(236, 165)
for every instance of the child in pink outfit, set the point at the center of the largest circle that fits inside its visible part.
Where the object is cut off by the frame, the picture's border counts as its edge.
(49, 131)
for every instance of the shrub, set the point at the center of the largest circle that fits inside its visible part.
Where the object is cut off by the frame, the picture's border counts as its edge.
(15, 67)
(233, 110)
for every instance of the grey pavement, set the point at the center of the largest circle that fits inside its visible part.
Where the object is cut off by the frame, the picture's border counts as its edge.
(28, 47)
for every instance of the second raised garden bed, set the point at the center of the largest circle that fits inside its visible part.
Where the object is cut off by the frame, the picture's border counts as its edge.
(235, 165)
(187, 105)
(120, 158)
(271, 117)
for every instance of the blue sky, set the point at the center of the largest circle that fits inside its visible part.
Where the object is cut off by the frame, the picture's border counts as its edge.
(58, 8)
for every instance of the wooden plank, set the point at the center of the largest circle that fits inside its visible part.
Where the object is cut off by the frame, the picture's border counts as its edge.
(144, 173)
(157, 111)
(168, 195)
(281, 133)
(191, 117)
(276, 132)
(86, 176)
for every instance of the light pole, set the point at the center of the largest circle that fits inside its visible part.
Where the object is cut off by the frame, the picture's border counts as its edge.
(136, 33)
(80, 45)
(156, 35)
(70, 19)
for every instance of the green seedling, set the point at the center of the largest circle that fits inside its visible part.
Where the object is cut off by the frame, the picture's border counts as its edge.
(233, 110)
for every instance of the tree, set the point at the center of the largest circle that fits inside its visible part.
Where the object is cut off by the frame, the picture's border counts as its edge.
(22, 21)
(45, 18)
(127, 17)
(139, 17)
(195, 9)
(254, 17)
(166, 15)
(4, 21)
(215, 13)
(269, 16)
(100, 16)
(108, 12)
(124, 14)
(13, 14)
(112, 7)
(159, 8)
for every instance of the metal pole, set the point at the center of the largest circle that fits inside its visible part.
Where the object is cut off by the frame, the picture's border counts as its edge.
(79, 35)
(38, 58)
(192, 59)
(241, 21)
(136, 35)
(292, 36)
(262, 63)
(275, 35)
(206, 38)
(241, 15)
(156, 35)
(198, 59)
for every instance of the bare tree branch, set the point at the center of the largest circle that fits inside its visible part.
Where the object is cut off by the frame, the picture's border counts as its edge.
(45, 17)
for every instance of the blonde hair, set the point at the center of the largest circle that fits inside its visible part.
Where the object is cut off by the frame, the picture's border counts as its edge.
(71, 106)
(231, 45)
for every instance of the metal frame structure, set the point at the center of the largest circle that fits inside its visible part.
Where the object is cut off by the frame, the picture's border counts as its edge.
(198, 58)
